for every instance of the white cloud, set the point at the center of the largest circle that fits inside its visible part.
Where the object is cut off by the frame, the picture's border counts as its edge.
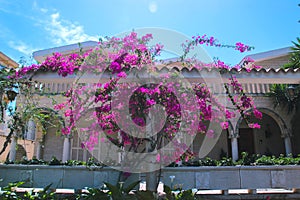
(43, 10)
(35, 6)
(152, 7)
(65, 32)
(48, 22)
(22, 47)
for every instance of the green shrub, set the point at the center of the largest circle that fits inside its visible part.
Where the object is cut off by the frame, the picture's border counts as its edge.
(226, 162)
(246, 159)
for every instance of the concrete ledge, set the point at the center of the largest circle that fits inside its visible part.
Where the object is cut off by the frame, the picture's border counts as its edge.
(203, 178)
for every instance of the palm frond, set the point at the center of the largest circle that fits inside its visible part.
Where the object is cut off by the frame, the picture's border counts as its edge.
(294, 61)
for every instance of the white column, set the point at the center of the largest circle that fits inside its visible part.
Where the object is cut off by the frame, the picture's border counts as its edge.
(288, 145)
(84, 154)
(31, 128)
(234, 135)
(66, 149)
(13, 149)
(286, 134)
(38, 150)
(234, 148)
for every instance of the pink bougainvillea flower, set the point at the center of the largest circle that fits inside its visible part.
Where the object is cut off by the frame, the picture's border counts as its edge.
(66, 130)
(131, 59)
(224, 125)
(68, 113)
(115, 67)
(59, 106)
(241, 47)
(229, 114)
(257, 114)
(158, 159)
(254, 125)
(246, 101)
(150, 102)
(122, 75)
(210, 133)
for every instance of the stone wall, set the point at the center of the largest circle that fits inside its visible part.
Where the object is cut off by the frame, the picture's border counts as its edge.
(221, 178)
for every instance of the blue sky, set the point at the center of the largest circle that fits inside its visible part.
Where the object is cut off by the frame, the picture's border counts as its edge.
(27, 26)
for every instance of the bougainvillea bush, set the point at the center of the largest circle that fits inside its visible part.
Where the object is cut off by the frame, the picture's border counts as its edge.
(122, 97)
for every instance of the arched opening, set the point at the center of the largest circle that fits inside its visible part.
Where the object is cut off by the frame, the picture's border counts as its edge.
(49, 142)
(222, 147)
(77, 150)
(52, 144)
(265, 141)
(21, 152)
(215, 147)
(101, 149)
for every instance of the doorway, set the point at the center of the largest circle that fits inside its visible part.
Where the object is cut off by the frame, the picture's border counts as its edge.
(246, 141)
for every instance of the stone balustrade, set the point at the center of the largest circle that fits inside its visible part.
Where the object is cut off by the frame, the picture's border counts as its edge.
(217, 178)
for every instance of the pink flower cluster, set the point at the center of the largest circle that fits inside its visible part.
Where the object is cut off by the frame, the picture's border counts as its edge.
(211, 41)
(63, 65)
(257, 113)
(244, 103)
(249, 64)
(242, 47)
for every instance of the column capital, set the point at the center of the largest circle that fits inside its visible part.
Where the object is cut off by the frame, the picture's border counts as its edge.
(233, 134)
(286, 133)
(69, 136)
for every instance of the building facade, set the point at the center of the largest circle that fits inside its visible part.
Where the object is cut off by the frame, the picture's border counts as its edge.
(22, 147)
(275, 136)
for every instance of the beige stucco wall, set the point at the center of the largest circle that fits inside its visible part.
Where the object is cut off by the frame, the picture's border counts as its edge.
(26, 144)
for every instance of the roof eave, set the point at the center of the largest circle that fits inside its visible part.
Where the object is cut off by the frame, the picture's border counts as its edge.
(67, 49)
(8, 61)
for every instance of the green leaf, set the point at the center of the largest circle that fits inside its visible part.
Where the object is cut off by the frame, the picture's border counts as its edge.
(115, 190)
(47, 187)
(167, 189)
(168, 192)
(187, 195)
(131, 186)
(12, 185)
(145, 195)
(95, 193)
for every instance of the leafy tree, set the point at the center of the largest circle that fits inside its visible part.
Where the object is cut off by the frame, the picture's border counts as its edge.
(280, 91)
(23, 90)
(294, 62)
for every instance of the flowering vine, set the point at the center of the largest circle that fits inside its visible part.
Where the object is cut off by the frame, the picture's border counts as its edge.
(119, 57)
